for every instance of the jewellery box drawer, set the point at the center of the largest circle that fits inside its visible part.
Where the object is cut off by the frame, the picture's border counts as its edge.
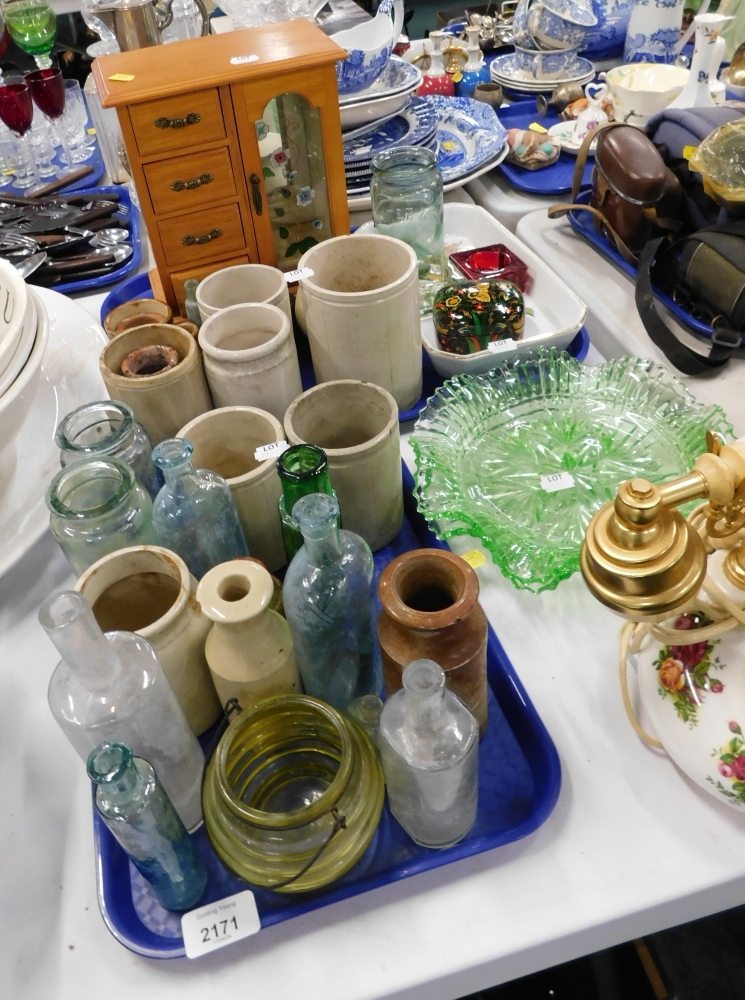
(193, 237)
(176, 122)
(186, 182)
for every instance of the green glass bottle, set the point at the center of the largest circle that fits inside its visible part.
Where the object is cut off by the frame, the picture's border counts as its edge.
(302, 469)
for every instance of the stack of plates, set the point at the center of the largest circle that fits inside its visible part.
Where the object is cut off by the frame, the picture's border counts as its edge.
(504, 71)
(415, 125)
(383, 98)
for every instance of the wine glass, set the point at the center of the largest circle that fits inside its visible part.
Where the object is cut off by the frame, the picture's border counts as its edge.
(48, 91)
(17, 112)
(32, 24)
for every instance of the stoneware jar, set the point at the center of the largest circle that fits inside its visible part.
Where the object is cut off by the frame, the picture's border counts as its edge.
(165, 398)
(224, 441)
(243, 283)
(356, 424)
(361, 313)
(431, 612)
(250, 358)
(149, 590)
(249, 648)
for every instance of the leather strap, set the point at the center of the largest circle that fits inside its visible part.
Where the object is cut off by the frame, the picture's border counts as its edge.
(584, 152)
(557, 211)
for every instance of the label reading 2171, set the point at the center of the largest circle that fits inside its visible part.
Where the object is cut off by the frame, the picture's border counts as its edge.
(216, 924)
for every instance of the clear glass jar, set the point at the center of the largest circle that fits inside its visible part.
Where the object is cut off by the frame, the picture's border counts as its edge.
(97, 506)
(292, 781)
(108, 429)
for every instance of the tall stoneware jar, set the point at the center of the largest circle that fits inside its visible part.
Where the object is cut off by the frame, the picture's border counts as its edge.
(149, 590)
(166, 386)
(356, 424)
(225, 441)
(431, 611)
(249, 647)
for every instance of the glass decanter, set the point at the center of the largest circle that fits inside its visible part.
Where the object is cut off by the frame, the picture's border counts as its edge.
(328, 604)
(112, 687)
(429, 750)
(194, 513)
(108, 429)
(302, 469)
(134, 806)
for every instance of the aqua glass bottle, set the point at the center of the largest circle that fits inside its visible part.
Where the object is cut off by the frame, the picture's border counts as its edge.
(328, 603)
(302, 469)
(108, 429)
(194, 514)
(132, 803)
(97, 506)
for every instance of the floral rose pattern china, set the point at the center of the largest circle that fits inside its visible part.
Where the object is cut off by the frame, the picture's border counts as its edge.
(731, 757)
(683, 671)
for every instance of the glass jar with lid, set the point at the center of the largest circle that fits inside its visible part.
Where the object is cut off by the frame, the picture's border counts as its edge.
(97, 506)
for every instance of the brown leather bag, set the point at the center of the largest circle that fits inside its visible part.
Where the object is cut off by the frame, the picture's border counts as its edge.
(634, 194)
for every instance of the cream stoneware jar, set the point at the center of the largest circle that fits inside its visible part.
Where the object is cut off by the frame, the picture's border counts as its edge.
(149, 590)
(250, 358)
(249, 647)
(360, 310)
(356, 424)
(243, 283)
(224, 441)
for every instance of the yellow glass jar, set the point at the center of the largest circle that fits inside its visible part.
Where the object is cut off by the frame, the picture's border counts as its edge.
(293, 794)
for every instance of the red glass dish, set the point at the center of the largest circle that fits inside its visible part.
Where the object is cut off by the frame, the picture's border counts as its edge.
(494, 261)
(48, 91)
(16, 109)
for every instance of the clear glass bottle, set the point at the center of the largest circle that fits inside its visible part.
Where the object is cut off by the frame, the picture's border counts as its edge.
(134, 806)
(108, 429)
(194, 514)
(429, 749)
(191, 306)
(97, 506)
(328, 604)
(366, 713)
(302, 469)
(112, 687)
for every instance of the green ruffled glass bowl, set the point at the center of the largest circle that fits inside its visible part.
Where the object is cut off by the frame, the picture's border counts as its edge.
(483, 443)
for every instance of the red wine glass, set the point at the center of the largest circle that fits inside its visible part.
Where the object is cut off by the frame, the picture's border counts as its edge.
(17, 112)
(48, 91)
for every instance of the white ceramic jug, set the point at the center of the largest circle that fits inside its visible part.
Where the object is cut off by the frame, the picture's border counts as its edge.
(653, 34)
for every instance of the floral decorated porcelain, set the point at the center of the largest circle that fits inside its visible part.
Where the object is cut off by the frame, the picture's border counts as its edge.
(559, 24)
(369, 45)
(653, 33)
(640, 90)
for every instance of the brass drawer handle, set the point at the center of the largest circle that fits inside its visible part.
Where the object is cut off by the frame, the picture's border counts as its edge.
(191, 119)
(256, 191)
(190, 185)
(213, 234)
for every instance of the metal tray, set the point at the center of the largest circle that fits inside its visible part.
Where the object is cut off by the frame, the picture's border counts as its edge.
(519, 781)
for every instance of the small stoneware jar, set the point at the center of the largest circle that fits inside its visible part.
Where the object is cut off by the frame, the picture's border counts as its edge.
(149, 590)
(163, 395)
(136, 312)
(431, 612)
(249, 647)
(243, 283)
(250, 358)
(224, 441)
(356, 424)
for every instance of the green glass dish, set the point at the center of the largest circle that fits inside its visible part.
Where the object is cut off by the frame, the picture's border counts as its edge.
(484, 442)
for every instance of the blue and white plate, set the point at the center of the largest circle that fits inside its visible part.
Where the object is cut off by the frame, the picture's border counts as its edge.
(469, 134)
(505, 69)
(410, 127)
(397, 76)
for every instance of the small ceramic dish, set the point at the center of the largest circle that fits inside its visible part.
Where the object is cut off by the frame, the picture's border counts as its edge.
(564, 132)
(136, 312)
(553, 66)
(505, 69)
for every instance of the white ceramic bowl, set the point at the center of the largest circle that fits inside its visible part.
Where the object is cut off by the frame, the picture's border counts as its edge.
(24, 345)
(640, 90)
(16, 402)
(13, 302)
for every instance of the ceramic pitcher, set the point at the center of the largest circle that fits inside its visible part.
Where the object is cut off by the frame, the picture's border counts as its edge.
(653, 34)
(606, 39)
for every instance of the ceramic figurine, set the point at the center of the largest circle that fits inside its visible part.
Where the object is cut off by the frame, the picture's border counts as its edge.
(654, 31)
(475, 70)
(468, 316)
(593, 115)
(560, 97)
(572, 111)
(532, 150)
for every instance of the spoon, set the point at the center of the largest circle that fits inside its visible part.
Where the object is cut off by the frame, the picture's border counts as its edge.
(30, 264)
(109, 237)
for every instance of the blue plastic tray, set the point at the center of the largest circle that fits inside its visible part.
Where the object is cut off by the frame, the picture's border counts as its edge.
(553, 180)
(519, 781)
(95, 161)
(139, 288)
(582, 223)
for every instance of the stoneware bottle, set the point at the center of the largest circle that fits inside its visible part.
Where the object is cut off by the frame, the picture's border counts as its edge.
(249, 648)
(431, 611)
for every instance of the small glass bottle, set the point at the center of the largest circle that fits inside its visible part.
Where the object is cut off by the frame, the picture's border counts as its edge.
(108, 429)
(429, 749)
(302, 469)
(194, 514)
(112, 687)
(366, 713)
(97, 506)
(191, 306)
(328, 604)
(134, 806)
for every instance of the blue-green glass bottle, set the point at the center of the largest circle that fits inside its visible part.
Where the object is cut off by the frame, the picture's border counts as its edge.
(133, 805)
(194, 513)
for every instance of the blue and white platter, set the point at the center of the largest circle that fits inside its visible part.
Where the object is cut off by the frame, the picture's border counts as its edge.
(469, 134)
(412, 126)
(398, 75)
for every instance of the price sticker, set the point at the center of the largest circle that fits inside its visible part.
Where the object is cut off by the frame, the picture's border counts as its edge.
(557, 481)
(272, 450)
(298, 273)
(536, 127)
(241, 60)
(216, 924)
(501, 346)
(122, 77)
(91, 131)
(474, 558)
(688, 152)
(448, 144)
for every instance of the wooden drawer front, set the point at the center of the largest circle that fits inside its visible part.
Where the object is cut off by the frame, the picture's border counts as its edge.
(179, 277)
(223, 226)
(186, 120)
(186, 182)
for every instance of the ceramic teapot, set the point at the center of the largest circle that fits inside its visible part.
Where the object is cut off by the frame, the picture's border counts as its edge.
(369, 45)
(138, 24)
